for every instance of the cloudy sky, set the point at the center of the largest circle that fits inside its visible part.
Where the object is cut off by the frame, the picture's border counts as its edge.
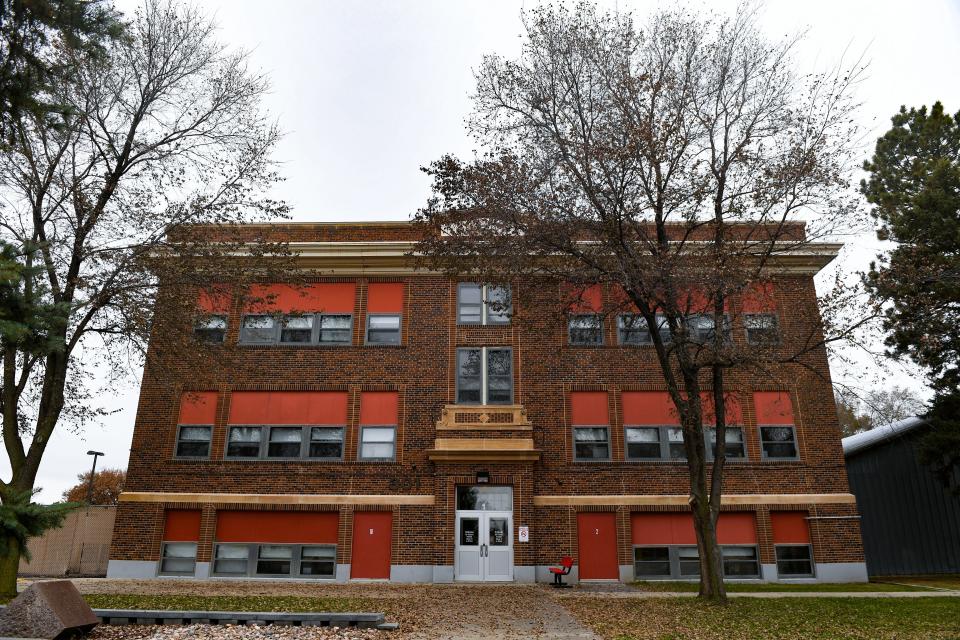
(369, 91)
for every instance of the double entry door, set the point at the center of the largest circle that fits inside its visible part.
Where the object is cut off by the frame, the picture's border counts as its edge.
(484, 549)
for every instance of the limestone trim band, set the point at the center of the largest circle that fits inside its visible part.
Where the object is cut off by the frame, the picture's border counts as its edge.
(275, 498)
(682, 500)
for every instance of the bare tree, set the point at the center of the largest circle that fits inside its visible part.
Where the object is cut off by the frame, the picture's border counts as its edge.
(680, 164)
(876, 408)
(165, 135)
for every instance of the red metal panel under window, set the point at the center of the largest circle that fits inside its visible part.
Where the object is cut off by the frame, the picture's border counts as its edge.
(198, 407)
(214, 301)
(759, 298)
(696, 300)
(277, 526)
(773, 407)
(372, 536)
(378, 407)
(288, 407)
(597, 544)
(677, 528)
(731, 405)
(329, 297)
(577, 299)
(589, 407)
(385, 297)
(648, 407)
(790, 527)
(182, 525)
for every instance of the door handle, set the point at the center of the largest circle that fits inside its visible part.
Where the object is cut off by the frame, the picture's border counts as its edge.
(483, 551)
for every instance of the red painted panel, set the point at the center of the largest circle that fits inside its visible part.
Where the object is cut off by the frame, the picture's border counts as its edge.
(731, 405)
(182, 525)
(372, 537)
(597, 541)
(589, 407)
(378, 407)
(773, 407)
(648, 407)
(332, 297)
(696, 300)
(759, 297)
(579, 299)
(198, 407)
(288, 407)
(790, 527)
(214, 300)
(385, 297)
(277, 526)
(677, 528)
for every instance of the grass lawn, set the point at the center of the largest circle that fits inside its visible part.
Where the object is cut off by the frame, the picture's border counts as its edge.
(753, 587)
(228, 603)
(935, 582)
(781, 618)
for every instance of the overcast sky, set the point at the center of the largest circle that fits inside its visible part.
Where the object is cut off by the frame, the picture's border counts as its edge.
(368, 92)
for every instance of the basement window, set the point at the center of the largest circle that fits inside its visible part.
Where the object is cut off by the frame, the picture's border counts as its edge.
(178, 558)
(794, 560)
(683, 562)
(275, 560)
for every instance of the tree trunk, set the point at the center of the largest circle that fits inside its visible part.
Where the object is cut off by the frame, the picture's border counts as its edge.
(9, 566)
(712, 588)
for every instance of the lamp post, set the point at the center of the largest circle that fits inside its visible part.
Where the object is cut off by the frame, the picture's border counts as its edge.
(92, 472)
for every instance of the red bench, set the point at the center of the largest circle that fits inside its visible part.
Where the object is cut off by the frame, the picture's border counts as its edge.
(566, 564)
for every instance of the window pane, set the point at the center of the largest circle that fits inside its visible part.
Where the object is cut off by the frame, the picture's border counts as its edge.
(274, 559)
(195, 433)
(664, 329)
(231, 559)
(675, 438)
(284, 442)
(383, 329)
(586, 329)
(701, 328)
(244, 442)
(498, 534)
(689, 561)
(232, 551)
(257, 329)
(469, 532)
(761, 328)
(643, 442)
(633, 329)
(484, 498)
(740, 561)
(194, 442)
(318, 561)
(378, 434)
(651, 554)
(499, 376)
(377, 451)
(583, 434)
(469, 303)
(778, 442)
(177, 565)
(734, 440)
(797, 552)
(211, 328)
(180, 550)
(326, 442)
(469, 363)
(336, 329)
(384, 322)
(297, 329)
(591, 443)
(651, 562)
(498, 304)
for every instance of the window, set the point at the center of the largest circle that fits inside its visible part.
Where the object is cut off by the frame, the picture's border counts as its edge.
(211, 329)
(335, 329)
(651, 562)
(702, 328)
(734, 439)
(586, 329)
(383, 328)
(288, 442)
(485, 375)
(193, 441)
(778, 442)
(258, 330)
(591, 443)
(243, 442)
(178, 558)
(761, 328)
(794, 561)
(675, 450)
(297, 330)
(272, 560)
(284, 442)
(740, 562)
(688, 561)
(632, 329)
(483, 304)
(378, 443)
(643, 443)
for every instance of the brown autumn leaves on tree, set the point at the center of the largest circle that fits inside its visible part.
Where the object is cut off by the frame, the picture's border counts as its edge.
(165, 132)
(674, 160)
(107, 485)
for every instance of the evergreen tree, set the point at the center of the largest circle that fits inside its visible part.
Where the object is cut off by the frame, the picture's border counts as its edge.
(914, 185)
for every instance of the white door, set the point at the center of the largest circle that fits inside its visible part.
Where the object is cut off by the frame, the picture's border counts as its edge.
(484, 546)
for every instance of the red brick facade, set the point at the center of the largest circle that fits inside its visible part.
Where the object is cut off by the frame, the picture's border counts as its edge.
(419, 487)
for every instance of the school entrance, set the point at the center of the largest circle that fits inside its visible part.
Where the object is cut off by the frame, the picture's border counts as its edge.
(483, 548)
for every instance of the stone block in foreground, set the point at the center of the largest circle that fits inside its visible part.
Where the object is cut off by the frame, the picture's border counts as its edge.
(52, 609)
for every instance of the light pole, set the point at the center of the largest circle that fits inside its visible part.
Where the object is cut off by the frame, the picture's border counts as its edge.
(92, 472)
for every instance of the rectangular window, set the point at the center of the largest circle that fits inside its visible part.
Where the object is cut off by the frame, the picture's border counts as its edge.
(297, 330)
(318, 561)
(274, 560)
(485, 375)
(231, 559)
(585, 329)
(258, 329)
(643, 443)
(383, 328)
(483, 304)
(794, 561)
(335, 328)
(778, 442)
(702, 328)
(284, 442)
(211, 329)
(675, 449)
(651, 562)
(761, 328)
(688, 562)
(193, 441)
(326, 442)
(632, 329)
(740, 562)
(734, 439)
(684, 561)
(378, 443)
(243, 442)
(591, 443)
(178, 558)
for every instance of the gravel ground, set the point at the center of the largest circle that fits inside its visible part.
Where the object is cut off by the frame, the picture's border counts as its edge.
(230, 632)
